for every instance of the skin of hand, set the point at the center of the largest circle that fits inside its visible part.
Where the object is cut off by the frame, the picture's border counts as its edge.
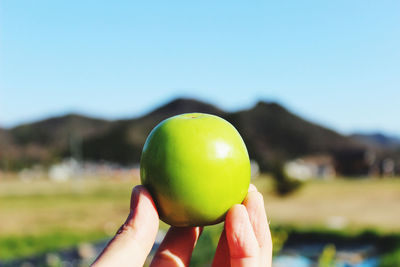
(245, 240)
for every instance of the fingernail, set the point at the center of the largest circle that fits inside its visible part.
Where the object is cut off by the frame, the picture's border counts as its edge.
(135, 198)
(252, 188)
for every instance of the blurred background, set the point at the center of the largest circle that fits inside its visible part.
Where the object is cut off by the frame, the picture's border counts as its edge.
(312, 87)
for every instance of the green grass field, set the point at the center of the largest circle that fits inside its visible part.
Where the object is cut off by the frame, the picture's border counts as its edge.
(41, 215)
(354, 204)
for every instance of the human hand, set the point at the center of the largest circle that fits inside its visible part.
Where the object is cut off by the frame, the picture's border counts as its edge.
(245, 240)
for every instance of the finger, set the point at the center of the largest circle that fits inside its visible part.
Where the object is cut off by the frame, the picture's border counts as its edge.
(177, 247)
(135, 238)
(252, 188)
(254, 204)
(222, 258)
(243, 245)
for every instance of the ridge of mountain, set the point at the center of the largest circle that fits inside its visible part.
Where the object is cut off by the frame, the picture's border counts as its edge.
(377, 140)
(269, 130)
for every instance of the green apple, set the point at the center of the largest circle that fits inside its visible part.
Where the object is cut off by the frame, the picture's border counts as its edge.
(196, 167)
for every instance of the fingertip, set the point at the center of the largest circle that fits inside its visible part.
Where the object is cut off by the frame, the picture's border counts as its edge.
(254, 203)
(136, 236)
(252, 188)
(135, 196)
(237, 211)
(143, 212)
(254, 198)
(141, 191)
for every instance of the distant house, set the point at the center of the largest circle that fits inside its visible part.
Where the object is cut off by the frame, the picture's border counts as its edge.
(65, 170)
(388, 167)
(312, 166)
(35, 172)
(72, 169)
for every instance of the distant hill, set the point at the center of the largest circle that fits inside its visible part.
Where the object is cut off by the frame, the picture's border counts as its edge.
(124, 142)
(56, 132)
(5, 141)
(47, 140)
(270, 131)
(377, 140)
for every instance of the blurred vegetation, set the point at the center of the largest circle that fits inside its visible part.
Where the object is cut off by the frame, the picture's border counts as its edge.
(327, 257)
(206, 246)
(390, 259)
(15, 246)
(279, 237)
(284, 184)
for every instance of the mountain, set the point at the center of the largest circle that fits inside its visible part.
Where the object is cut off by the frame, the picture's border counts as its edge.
(377, 140)
(270, 131)
(124, 142)
(5, 140)
(56, 132)
(46, 140)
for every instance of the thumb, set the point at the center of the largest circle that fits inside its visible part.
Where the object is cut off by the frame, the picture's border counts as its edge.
(135, 238)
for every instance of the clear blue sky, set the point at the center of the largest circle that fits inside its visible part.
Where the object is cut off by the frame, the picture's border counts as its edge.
(334, 62)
